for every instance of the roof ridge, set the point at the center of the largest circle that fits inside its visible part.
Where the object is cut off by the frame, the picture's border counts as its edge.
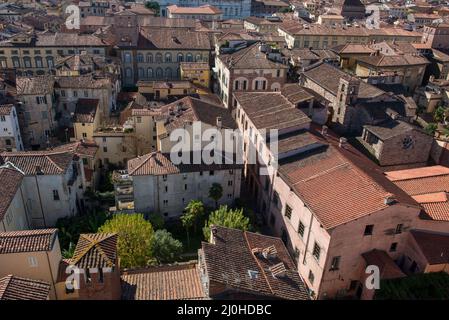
(148, 155)
(258, 263)
(8, 282)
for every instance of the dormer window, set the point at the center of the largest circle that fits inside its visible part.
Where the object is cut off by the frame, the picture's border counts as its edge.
(253, 274)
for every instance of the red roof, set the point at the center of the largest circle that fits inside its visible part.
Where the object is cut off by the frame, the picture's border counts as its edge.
(338, 184)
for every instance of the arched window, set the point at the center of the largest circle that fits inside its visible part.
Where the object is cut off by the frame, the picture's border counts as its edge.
(140, 57)
(127, 57)
(150, 73)
(180, 57)
(189, 57)
(15, 62)
(149, 58)
(38, 62)
(159, 73)
(128, 73)
(168, 57)
(50, 62)
(27, 62)
(141, 73)
(168, 73)
(198, 58)
(159, 58)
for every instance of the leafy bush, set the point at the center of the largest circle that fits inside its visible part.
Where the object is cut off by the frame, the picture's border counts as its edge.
(166, 249)
(230, 218)
(70, 228)
(135, 239)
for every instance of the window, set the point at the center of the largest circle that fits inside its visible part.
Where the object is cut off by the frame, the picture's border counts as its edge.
(211, 173)
(180, 57)
(399, 228)
(278, 73)
(166, 188)
(368, 230)
(185, 187)
(288, 211)
(2, 118)
(335, 264)
(127, 57)
(149, 58)
(165, 202)
(38, 62)
(50, 62)
(75, 93)
(316, 251)
(105, 149)
(393, 247)
(301, 229)
(86, 93)
(139, 57)
(55, 195)
(229, 183)
(311, 276)
(27, 62)
(32, 262)
(168, 57)
(164, 177)
(159, 58)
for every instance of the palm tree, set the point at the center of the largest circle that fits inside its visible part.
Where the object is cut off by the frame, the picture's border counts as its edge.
(188, 220)
(215, 193)
(196, 209)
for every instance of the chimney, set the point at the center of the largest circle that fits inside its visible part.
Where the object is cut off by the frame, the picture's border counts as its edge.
(342, 142)
(324, 130)
(213, 231)
(219, 122)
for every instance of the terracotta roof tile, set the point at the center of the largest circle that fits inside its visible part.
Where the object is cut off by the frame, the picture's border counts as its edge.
(95, 250)
(11, 180)
(27, 241)
(157, 163)
(16, 288)
(270, 110)
(5, 110)
(250, 58)
(81, 148)
(86, 110)
(235, 255)
(47, 162)
(177, 282)
(387, 267)
(434, 246)
(350, 185)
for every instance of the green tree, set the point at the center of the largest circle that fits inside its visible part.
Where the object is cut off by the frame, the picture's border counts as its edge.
(215, 193)
(68, 253)
(156, 220)
(231, 218)
(431, 128)
(135, 237)
(188, 220)
(153, 5)
(195, 208)
(440, 114)
(166, 249)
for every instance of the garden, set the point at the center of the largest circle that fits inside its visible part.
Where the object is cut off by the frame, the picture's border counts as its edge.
(152, 241)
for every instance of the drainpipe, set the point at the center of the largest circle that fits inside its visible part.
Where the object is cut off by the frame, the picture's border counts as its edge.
(51, 275)
(308, 237)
